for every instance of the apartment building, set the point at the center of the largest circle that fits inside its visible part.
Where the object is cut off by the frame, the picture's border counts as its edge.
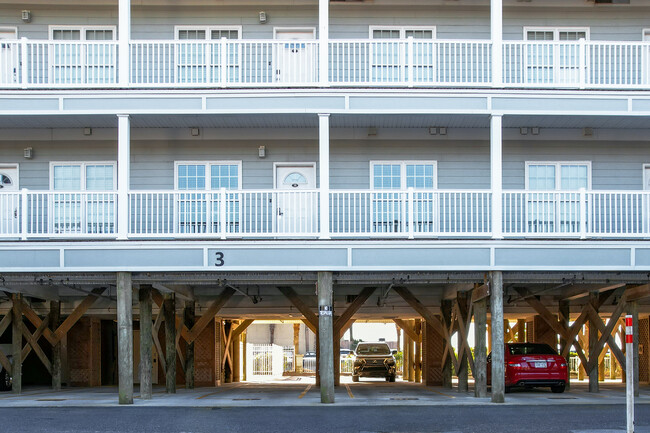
(228, 154)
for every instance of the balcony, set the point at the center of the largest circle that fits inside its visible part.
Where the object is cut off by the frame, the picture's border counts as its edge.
(352, 214)
(32, 64)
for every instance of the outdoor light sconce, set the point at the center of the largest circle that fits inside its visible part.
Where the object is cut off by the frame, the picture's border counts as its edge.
(523, 131)
(28, 153)
(195, 132)
(262, 17)
(26, 16)
(88, 131)
(261, 151)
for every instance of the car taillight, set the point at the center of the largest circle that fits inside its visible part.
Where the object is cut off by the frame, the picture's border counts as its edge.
(514, 364)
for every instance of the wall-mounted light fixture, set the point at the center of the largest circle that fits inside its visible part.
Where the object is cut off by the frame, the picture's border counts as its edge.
(195, 132)
(263, 17)
(26, 16)
(433, 131)
(523, 131)
(442, 130)
(372, 131)
(261, 151)
(534, 130)
(588, 132)
(28, 153)
(88, 131)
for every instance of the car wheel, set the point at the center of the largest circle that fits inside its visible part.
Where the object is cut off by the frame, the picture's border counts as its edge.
(355, 378)
(5, 381)
(558, 389)
(391, 378)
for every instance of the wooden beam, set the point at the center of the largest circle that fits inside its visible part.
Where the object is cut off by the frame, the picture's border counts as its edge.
(209, 314)
(4, 323)
(37, 334)
(580, 292)
(310, 325)
(353, 308)
(638, 292)
(76, 314)
(423, 311)
(37, 349)
(182, 291)
(408, 329)
(345, 327)
(480, 293)
(241, 327)
(304, 309)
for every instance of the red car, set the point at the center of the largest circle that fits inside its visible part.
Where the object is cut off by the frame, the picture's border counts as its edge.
(532, 364)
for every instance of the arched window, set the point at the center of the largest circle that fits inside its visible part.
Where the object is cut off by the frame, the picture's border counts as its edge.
(295, 179)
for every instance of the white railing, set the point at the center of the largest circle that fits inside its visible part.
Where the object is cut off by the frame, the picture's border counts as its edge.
(412, 213)
(224, 213)
(578, 64)
(223, 63)
(29, 63)
(409, 214)
(262, 357)
(593, 214)
(409, 62)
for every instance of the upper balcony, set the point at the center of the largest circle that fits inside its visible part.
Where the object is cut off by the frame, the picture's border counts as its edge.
(227, 63)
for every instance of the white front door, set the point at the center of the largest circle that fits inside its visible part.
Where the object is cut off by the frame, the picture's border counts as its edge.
(8, 57)
(9, 200)
(297, 198)
(295, 60)
(646, 198)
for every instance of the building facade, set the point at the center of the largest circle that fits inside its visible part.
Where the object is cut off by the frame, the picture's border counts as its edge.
(246, 146)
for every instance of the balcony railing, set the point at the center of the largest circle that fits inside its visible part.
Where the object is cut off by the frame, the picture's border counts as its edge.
(362, 214)
(278, 63)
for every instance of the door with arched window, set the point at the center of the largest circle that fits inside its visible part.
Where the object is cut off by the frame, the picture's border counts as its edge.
(296, 199)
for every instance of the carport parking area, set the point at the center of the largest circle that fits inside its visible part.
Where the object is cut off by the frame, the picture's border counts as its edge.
(303, 392)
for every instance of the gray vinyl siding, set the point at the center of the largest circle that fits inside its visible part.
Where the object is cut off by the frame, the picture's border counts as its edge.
(618, 24)
(461, 164)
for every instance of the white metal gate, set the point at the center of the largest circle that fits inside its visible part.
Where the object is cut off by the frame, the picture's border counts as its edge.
(262, 359)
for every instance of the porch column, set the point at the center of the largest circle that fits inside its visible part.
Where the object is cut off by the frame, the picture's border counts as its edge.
(480, 348)
(55, 321)
(324, 173)
(496, 30)
(323, 41)
(498, 345)
(123, 174)
(146, 343)
(17, 343)
(169, 307)
(124, 31)
(326, 336)
(125, 337)
(496, 170)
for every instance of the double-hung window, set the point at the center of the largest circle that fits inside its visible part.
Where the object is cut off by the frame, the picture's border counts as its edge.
(389, 53)
(556, 207)
(390, 181)
(83, 200)
(82, 54)
(553, 56)
(199, 203)
(201, 54)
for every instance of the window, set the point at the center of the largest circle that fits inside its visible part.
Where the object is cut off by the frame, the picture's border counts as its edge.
(198, 178)
(552, 210)
(389, 56)
(84, 204)
(554, 63)
(390, 210)
(201, 63)
(92, 62)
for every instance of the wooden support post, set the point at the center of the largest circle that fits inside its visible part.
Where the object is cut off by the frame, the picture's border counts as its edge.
(593, 341)
(17, 343)
(521, 330)
(236, 375)
(243, 356)
(55, 321)
(169, 308)
(326, 336)
(408, 355)
(125, 337)
(463, 365)
(417, 326)
(498, 345)
(336, 347)
(296, 344)
(188, 320)
(146, 342)
(633, 310)
(480, 349)
(446, 307)
(564, 314)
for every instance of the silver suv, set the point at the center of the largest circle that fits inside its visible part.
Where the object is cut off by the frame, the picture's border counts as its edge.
(374, 360)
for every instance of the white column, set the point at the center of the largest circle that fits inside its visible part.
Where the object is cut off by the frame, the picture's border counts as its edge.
(124, 31)
(323, 41)
(324, 173)
(496, 28)
(123, 174)
(496, 170)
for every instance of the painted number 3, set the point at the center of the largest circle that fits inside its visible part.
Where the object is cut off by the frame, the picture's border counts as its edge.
(219, 259)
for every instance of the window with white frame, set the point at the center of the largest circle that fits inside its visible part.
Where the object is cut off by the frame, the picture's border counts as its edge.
(84, 202)
(554, 57)
(389, 207)
(91, 60)
(201, 62)
(556, 208)
(199, 212)
(389, 56)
